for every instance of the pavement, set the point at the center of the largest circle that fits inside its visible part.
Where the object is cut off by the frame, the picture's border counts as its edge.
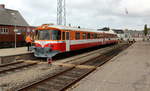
(128, 71)
(13, 51)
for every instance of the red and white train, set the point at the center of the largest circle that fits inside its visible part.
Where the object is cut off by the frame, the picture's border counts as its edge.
(53, 39)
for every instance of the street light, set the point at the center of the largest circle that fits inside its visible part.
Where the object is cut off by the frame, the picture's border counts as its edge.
(15, 29)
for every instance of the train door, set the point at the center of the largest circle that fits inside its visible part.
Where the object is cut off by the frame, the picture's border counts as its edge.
(67, 41)
(103, 38)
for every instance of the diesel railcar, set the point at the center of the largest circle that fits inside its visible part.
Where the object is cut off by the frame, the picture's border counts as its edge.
(53, 39)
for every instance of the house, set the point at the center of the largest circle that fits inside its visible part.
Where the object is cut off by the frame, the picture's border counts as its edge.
(120, 33)
(11, 23)
(11, 19)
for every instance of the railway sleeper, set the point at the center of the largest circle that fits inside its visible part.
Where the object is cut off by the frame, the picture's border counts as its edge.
(57, 81)
(78, 69)
(43, 88)
(49, 83)
(72, 75)
(76, 72)
(13, 63)
(17, 67)
(77, 75)
(67, 77)
(55, 87)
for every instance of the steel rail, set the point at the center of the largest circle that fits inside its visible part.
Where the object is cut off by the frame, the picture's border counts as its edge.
(100, 61)
(12, 68)
(3, 65)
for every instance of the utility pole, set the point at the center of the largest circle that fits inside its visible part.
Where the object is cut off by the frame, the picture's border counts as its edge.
(61, 12)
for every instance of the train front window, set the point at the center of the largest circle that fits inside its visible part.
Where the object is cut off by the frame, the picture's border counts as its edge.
(44, 35)
(48, 35)
(56, 35)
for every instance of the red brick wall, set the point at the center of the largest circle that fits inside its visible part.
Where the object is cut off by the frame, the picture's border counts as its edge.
(20, 28)
(10, 35)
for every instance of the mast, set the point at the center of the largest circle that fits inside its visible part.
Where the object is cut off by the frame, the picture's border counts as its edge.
(61, 12)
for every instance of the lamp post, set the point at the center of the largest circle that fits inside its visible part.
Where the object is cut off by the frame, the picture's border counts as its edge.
(15, 29)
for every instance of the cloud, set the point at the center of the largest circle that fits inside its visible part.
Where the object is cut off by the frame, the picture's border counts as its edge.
(86, 13)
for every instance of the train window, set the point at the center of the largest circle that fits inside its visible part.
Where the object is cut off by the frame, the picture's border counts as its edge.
(67, 36)
(116, 36)
(36, 34)
(95, 35)
(104, 36)
(63, 35)
(101, 36)
(107, 35)
(44, 35)
(88, 36)
(56, 35)
(77, 36)
(84, 35)
(48, 35)
(92, 36)
(113, 36)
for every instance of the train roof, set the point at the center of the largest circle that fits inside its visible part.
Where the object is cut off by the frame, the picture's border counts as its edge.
(73, 28)
(61, 27)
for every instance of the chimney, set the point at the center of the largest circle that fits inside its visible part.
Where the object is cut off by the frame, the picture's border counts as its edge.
(2, 6)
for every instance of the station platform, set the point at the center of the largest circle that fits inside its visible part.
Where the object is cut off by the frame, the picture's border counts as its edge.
(10, 54)
(128, 71)
(13, 51)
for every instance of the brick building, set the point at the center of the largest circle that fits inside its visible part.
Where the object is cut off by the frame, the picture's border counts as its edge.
(9, 21)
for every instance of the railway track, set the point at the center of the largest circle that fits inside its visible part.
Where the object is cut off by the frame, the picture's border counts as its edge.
(100, 51)
(73, 61)
(65, 79)
(14, 66)
(106, 55)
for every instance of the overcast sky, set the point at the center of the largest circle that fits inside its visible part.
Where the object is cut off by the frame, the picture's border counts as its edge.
(86, 13)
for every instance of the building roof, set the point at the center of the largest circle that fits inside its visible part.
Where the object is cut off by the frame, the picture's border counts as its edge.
(118, 31)
(11, 17)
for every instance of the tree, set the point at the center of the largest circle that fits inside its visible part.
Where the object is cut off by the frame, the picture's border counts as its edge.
(145, 30)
